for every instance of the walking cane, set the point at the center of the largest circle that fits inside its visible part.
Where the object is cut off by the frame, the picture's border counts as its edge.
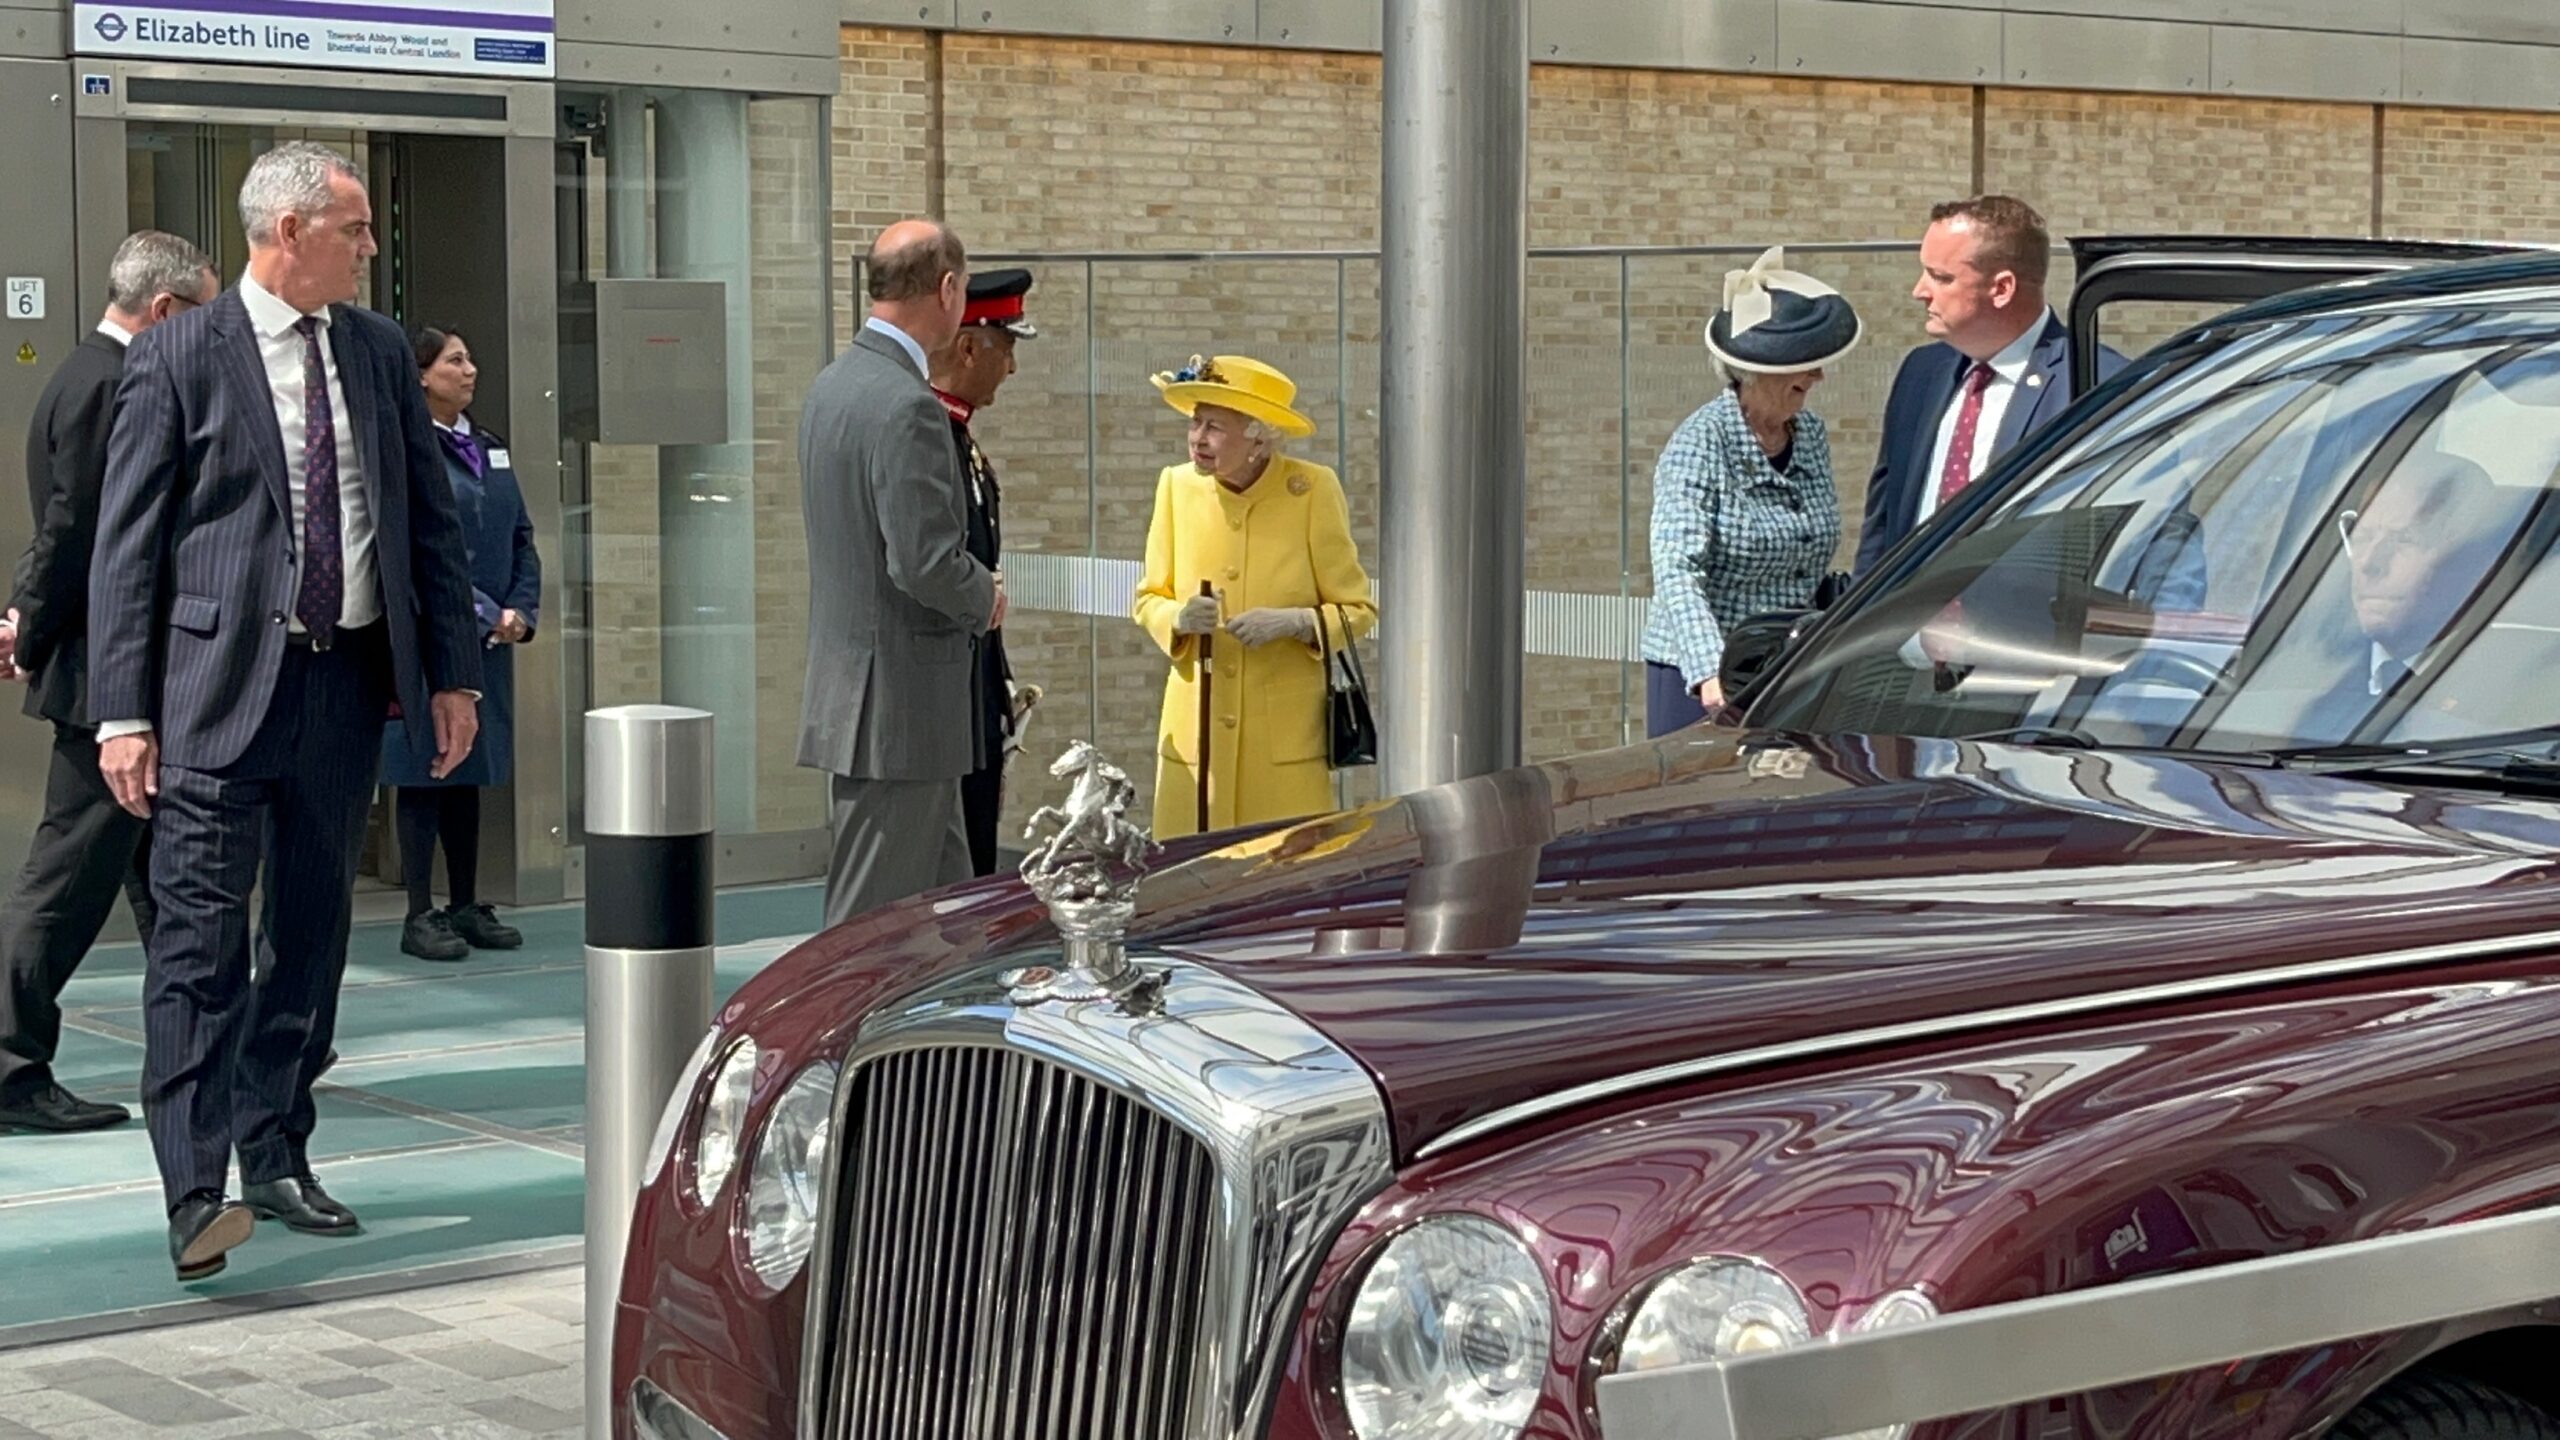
(1202, 774)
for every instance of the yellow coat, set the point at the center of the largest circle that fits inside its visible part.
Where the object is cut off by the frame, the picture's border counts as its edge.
(1283, 544)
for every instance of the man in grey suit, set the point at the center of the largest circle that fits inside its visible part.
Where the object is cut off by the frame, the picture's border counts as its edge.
(895, 598)
(279, 558)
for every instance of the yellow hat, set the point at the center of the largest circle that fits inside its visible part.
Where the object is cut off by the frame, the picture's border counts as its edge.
(1259, 391)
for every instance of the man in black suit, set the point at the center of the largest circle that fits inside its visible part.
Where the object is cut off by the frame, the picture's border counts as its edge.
(1998, 368)
(86, 848)
(279, 557)
(966, 375)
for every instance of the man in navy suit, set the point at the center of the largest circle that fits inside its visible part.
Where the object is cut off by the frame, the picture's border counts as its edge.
(1999, 367)
(278, 559)
(86, 849)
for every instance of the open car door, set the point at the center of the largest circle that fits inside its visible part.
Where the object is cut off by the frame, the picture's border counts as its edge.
(2133, 291)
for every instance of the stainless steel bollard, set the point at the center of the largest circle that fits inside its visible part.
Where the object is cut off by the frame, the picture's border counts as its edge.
(649, 972)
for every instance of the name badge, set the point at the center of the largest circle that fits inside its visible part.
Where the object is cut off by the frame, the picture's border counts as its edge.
(498, 460)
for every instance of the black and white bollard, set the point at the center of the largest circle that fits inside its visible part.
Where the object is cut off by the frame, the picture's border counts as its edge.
(650, 824)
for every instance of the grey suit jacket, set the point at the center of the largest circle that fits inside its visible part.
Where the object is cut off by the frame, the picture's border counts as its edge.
(895, 598)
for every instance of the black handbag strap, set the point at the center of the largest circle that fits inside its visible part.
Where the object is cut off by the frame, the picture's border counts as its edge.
(1348, 657)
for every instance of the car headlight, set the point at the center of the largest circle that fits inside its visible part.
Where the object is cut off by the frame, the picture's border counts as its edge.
(1722, 1308)
(1449, 1336)
(782, 1183)
(724, 1120)
(662, 1141)
(1715, 1309)
(1892, 1312)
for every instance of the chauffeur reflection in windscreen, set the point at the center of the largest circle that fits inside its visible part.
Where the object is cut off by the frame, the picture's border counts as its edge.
(1271, 535)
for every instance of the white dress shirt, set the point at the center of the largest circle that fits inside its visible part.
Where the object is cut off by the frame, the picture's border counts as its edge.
(116, 332)
(906, 342)
(2008, 376)
(281, 347)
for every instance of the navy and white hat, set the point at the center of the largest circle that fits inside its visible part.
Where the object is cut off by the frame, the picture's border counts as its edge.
(1778, 322)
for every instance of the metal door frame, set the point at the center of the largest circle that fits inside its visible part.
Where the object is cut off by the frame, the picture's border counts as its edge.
(534, 868)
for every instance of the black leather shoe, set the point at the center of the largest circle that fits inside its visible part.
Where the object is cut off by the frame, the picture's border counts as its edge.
(203, 1230)
(479, 928)
(302, 1205)
(58, 1111)
(430, 937)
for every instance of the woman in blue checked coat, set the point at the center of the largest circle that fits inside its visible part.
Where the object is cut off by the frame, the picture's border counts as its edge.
(1745, 519)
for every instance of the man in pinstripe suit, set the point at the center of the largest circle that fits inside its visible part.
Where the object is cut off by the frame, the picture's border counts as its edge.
(279, 558)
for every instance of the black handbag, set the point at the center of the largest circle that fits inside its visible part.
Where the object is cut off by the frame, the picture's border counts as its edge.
(1350, 735)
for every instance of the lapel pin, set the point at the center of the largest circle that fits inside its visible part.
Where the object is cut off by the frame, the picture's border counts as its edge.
(2034, 381)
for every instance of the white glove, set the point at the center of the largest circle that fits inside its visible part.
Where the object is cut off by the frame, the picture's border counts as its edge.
(1199, 616)
(1261, 627)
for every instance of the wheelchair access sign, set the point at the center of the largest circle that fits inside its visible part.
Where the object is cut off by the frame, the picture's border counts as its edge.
(438, 37)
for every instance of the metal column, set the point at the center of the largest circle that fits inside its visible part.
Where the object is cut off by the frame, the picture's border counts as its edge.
(649, 972)
(1454, 394)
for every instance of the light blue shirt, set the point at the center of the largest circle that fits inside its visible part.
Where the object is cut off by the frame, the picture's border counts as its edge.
(906, 341)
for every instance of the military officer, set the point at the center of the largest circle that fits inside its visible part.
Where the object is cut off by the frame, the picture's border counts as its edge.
(966, 375)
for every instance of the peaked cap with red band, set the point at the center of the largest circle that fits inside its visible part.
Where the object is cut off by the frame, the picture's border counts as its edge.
(995, 300)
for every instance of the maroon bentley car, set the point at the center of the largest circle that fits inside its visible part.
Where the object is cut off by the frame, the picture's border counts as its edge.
(2155, 863)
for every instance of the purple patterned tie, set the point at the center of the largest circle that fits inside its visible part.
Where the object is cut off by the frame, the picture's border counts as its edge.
(324, 577)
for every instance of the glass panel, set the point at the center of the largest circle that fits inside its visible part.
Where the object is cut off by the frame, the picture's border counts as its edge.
(686, 569)
(185, 178)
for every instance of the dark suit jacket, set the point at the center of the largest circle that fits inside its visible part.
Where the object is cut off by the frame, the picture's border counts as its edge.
(66, 472)
(992, 695)
(1922, 390)
(195, 574)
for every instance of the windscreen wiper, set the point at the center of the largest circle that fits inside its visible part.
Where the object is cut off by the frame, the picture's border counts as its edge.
(2530, 746)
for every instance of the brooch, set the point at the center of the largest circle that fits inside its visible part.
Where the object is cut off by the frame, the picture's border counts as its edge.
(1297, 484)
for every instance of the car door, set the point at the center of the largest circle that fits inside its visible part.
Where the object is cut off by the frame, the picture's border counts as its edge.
(2132, 292)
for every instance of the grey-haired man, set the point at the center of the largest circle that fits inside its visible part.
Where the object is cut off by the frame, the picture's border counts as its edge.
(279, 558)
(87, 849)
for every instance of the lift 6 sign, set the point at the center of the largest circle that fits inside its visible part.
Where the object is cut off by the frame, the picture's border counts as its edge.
(437, 37)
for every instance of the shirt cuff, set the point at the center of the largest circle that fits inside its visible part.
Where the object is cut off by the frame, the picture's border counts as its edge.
(118, 729)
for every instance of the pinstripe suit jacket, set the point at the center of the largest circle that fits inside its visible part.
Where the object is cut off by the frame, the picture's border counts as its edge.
(195, 574)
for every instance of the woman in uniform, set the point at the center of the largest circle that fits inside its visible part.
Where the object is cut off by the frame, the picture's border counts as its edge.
(506, 594)
(1270, 534)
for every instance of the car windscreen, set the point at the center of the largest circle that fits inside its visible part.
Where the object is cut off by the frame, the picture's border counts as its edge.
(2325, 532)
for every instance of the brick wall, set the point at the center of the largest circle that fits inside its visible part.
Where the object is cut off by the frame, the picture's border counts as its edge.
(1039, 144)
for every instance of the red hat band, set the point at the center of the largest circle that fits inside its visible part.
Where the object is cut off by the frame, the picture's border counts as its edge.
(992, 312)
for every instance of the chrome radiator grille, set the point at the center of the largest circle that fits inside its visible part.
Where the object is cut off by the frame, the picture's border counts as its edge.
(1015, 1253)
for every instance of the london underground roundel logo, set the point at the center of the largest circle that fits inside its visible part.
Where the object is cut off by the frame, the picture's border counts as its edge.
(110, 28)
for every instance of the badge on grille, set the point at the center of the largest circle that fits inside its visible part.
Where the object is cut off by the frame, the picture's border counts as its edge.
(1086, 865)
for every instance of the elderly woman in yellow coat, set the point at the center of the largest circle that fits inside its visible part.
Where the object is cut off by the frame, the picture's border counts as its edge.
(1271, 534)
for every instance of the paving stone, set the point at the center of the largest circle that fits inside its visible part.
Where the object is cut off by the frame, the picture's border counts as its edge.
(383, 1323)
(136, 1393)
(483, 1360)
(225, 1379)
(339, 1387)
(523, 1414)
(364, 1357)
(12, 1430)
